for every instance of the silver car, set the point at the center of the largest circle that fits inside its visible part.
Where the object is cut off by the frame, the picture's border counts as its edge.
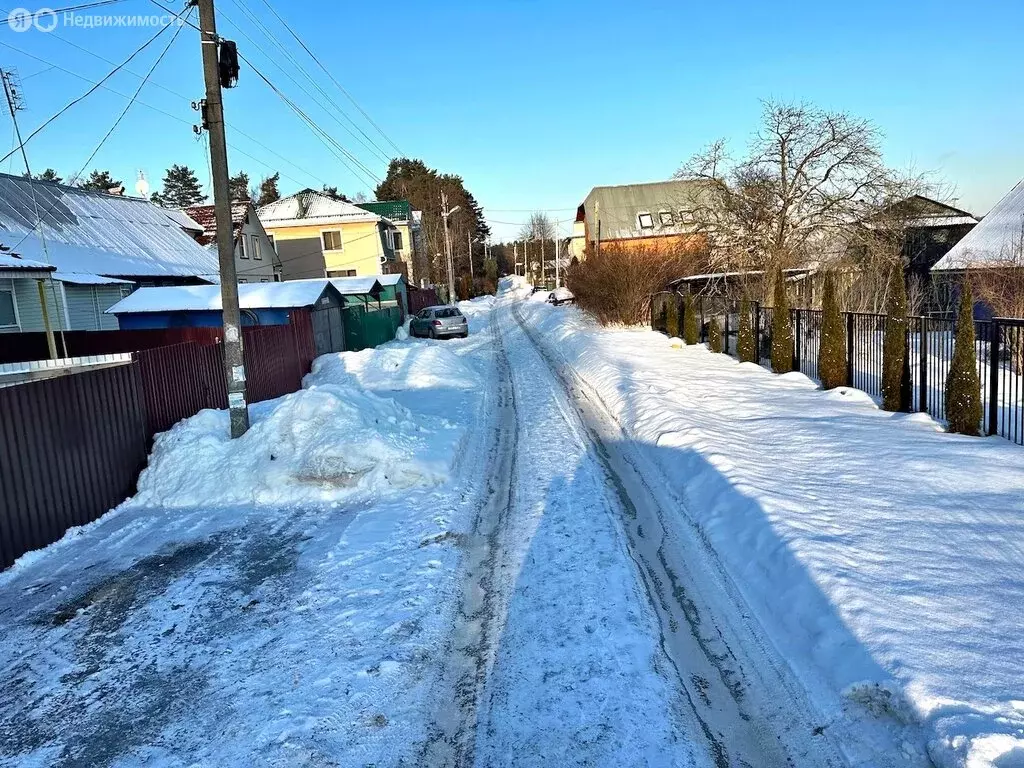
(441, 322)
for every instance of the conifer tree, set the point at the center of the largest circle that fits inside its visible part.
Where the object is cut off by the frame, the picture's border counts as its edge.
(181, 188)
(691, 328)
(832, 345)
(894, 344)
(268, 190)
(782, 328)
(238, 186)
(746, 345)
(963, 389)
(671, 308)
(714, 335)
(100, 181)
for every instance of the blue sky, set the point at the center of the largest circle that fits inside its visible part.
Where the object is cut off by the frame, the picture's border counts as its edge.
(534, 103)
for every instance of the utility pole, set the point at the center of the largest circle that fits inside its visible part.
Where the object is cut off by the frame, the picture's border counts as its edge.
(557, 271)
(14, 104)
(213, 121)
(445, 213)
(543, 273)
(515, 258)
(469, 240)
(597, 215)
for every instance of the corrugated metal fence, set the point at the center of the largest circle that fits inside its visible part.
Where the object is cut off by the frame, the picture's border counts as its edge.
(72, 447)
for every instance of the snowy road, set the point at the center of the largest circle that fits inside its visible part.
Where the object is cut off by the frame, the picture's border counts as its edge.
(535, 599)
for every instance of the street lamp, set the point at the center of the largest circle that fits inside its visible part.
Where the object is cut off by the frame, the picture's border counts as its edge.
(445, 213)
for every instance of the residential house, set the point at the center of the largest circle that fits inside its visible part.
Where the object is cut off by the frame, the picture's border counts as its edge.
(320, 235)
(88, 249)
(407, 236)
(995, 245)
(256, 259)
(637, 215)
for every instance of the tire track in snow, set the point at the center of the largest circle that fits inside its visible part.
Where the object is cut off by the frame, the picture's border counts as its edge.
(713, 681)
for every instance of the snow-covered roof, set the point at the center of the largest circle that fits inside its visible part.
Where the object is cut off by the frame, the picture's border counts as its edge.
(619, 207)
(183, 220)
(389, 279)
(191, 298)
(997, 239)
(206, 217)
(357, 286)
(7, 261)
(310, 205)
(97, 233)
(85, 278)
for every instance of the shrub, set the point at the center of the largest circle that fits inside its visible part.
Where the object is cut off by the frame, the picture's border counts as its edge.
(894, 345)
(963, 389)
(782, 328)
(832, 347)
(616, 285)
(671, 308)
(746, 345)
(714, 335)
(691, 327)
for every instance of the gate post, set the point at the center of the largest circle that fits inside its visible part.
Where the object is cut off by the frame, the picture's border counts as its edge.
(757, 331)
(849, 349)
(993, 377)
(922, 360)
(725, 336)
(797, 351)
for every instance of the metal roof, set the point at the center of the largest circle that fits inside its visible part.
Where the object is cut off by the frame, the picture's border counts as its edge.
(999, 237)
(206, 217)
(395, 210)
(84, 278)
(310, 206)
(183, 220)
(358, 286)
(619, 206)
(7, 261)
(96, 233)
(198, 298)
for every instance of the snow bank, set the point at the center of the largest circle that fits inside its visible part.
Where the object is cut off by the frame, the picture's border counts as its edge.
(882, 558)
(395, 367)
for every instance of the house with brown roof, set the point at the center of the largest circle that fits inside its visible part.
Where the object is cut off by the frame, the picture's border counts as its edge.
(256, 259)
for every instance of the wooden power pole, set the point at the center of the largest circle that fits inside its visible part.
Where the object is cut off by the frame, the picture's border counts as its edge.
(213, 121)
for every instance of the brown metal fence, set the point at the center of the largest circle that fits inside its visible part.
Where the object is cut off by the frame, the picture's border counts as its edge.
(421, 298)
(70, 449)
(23, 347)
(999, 350)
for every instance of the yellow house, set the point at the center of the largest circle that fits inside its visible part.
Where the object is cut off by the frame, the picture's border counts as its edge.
(318, 235)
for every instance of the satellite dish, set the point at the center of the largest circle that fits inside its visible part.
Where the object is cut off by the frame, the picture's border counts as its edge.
(142, 186)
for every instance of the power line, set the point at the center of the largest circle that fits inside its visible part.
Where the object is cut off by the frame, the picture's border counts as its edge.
(106, 77)
(169, 114)
(333, 80)
(369, 143)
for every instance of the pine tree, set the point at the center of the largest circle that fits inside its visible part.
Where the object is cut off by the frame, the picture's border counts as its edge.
(49, 175)
(100, 181)
(746, 345)
(181, 188)
(714, 335)
(671, 308)
(238, 186)
(782, 328)
(832, 345)
(963, 389)
(268, 190)
(691, 327)
(894, 344)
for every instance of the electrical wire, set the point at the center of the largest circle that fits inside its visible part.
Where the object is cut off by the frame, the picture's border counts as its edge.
(106, 77)
(332, 78)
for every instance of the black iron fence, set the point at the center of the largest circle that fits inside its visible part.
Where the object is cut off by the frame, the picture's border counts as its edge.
(999, 350)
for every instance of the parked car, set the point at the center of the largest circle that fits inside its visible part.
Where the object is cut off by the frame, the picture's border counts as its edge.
(561, 296)
(439, 322)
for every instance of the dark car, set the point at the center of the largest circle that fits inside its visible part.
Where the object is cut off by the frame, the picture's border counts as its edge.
(441, 322)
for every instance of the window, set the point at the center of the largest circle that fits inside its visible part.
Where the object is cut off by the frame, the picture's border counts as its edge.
(396, 240)
(666, 218)
(264, 279)
(8, 309)
(646, 221)
(423, 314)
(341, 273)
(686, 217)
(245, 247)
(332, 240)
(272, 243)
(256, 254)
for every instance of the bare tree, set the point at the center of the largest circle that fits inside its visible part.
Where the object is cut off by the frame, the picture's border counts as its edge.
(808, 177)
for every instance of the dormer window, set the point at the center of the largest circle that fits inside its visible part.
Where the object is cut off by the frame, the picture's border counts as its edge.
(646, 221)
(666, 218)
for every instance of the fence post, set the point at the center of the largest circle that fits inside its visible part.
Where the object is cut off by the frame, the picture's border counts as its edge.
(725, 336)
(849, 349)
(797, 351)
(993, 378)
(922, 361)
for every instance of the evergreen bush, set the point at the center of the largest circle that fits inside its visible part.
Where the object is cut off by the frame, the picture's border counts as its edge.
(746, 344)
(894, 345)
(714, 335)
(691, 328)
(782, 328)
(832, 346)
(672, 315)
(963, 388)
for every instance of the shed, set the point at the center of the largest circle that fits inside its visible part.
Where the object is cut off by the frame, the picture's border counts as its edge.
(373, 310)
(199, 306)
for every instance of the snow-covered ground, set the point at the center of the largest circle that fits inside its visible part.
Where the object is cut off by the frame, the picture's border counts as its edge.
(883, 558)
